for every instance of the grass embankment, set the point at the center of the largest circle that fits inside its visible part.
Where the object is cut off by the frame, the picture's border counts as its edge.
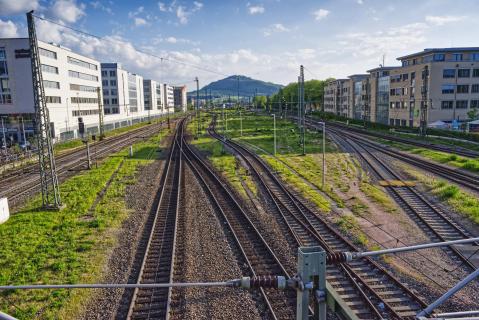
(221, 159)
(438, 156)
(69, 246)
(463, 202)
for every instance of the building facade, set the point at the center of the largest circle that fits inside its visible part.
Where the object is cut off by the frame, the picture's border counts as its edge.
(153, 97)
(71, 82)
(379, 81)
(358, 96)
(169, 98)
(180, 97)
(443, 81)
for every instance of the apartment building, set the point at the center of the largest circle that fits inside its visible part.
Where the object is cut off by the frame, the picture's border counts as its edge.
(358, 95)
(180, 97)
(71, 83)
(379, 85)
(169, 98)
(445, 81)
(335, 94)
(153, 97)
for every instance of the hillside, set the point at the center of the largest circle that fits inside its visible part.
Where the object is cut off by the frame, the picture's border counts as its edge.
(247, 87)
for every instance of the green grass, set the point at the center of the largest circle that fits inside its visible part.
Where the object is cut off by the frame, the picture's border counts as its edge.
(349, 223)
(69, 246)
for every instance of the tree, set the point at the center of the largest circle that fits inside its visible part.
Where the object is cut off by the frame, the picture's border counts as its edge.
(472, 114)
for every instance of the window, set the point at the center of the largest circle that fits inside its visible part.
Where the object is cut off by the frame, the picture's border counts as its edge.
(475, 88)
(439, 57)
(49, 69)
(395, 78)
(77, 113)
(104, 73)
(391, 105)
(463, 73)
(461, 104)
(457, 57)
(449, 73)
(112, 73)
(3, 55)
(114, 101)
(82, 63)
(5, 96)
(474, 103)
(53, 99)
(104, 83)
(51, 84)
(83, 100)
(447, 104)
(398, 122)
(462, 88)
(113, 92)
(398, 105)
(391, 122)
(47, 53)
(475, 56)
(77, 87)
(3, 68)
(106, 92)
(405, 76)
(84, 76)
(106, 101)
(447, 88)
(405, 63)
(112, 82)
(475, 73)
(403, 122)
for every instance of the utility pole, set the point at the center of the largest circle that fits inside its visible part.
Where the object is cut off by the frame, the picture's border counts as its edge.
(197, 107)
(424, 91)
(24, 136)
(299, 101)
(100, 115)
(48, 173)
(4, 138)
(301, 104)
(366, 103)
(237, 88)
(241, 124)
(274, 133)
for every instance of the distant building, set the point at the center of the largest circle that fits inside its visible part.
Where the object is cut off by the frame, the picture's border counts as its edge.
(169, 99)
(153, 96)
(379, 94)
(444, 80)
(71, 83)
(180, 97)
(336, 97)
(358, 96)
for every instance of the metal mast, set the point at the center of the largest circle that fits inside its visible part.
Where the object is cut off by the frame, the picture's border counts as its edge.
(100, 115)
(48, 174)
(197, 107)
(301, 107)
(424, 89)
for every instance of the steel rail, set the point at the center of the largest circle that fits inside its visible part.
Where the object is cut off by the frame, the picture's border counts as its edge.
(310, 228)
(158, 261)
(241, 227)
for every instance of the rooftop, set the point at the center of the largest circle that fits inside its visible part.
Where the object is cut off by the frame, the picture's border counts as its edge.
(386, 68)
(440, 50)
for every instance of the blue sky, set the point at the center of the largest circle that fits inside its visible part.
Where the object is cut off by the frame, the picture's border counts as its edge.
(265, 39)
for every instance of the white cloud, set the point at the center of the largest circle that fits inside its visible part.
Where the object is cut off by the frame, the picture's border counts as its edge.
(259, 9)
(68, 10)
(442, 20)
(8, 29)
(10, 7)
(140, 22)
(360, 1)
(171, 40)
(197, 5)
(162, 7)
(98, 5)
(275, 28)
(182, 15)
(320, 14)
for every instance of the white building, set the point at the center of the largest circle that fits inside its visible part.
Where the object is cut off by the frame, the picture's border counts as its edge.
(153, 98)
(70, 80)
(169, 98)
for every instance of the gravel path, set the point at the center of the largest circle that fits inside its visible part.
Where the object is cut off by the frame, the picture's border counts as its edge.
(208, 257)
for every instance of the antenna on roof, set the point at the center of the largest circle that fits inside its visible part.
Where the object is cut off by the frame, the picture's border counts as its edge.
(384, 58)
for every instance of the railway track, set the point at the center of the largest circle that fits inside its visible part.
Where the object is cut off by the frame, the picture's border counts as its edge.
(456, 150)
(431, 219)
(159, 259)
(368, 289)
(257, 254)
(25, 181)
(458, 176)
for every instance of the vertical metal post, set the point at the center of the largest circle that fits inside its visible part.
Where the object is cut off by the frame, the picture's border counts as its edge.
(312, 272)
(237, 88)
(4, 139)
(302, 111)
(100, 115)
(274, 132)
(88, 153)
(241, 124)
(299, 101)
(324, 156)
(24, 135)
(197, 107)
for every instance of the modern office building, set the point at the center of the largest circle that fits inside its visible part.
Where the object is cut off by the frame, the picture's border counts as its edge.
(358, 96)
(379, 84)
(445, 81)
(169, 98)
(153, 97)
(180, 97)
(71, 83)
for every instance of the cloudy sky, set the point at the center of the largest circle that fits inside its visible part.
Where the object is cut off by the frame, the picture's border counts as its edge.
(264, 39)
